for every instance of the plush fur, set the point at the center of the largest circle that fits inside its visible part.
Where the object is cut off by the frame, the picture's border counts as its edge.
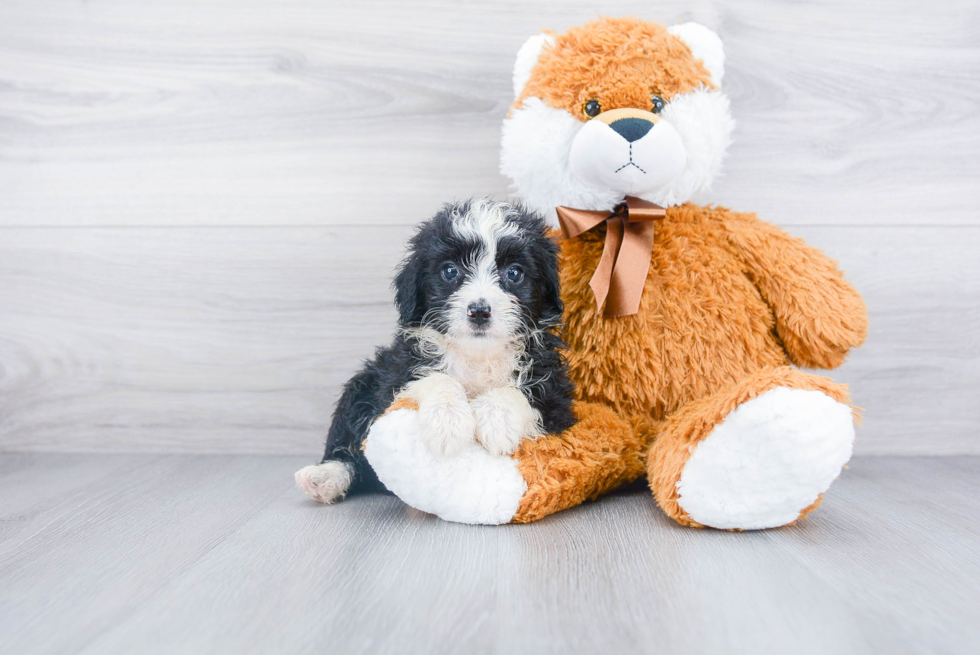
(712, 320)
(477, 351)
(473, 486)
(729, 305)
(555, 154)
(729, 302)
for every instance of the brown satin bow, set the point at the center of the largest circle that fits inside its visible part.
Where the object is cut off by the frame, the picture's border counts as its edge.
(622, 270)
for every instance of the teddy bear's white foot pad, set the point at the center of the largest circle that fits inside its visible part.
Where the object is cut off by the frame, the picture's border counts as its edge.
(471, 487)
(767, 461)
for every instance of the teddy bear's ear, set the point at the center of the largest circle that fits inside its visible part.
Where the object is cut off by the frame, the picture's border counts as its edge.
(527, 57)
(705, 45)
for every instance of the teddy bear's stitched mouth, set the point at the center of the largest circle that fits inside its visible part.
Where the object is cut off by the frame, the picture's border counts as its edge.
(630, 163)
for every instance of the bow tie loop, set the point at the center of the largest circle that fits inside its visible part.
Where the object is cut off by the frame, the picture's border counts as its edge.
(626, 253)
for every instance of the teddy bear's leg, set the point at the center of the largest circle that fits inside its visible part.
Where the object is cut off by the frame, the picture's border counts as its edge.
(757, 455)
(596, 455)
(545, 475)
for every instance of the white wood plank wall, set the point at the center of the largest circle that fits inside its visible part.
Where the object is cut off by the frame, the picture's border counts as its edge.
(201, 202)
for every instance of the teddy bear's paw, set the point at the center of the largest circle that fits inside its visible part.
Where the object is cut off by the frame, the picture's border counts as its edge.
(470, 487)
(504, 417)
(325, 483)
(768, 461)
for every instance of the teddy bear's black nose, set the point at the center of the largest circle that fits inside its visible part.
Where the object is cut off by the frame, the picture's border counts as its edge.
(631, 129)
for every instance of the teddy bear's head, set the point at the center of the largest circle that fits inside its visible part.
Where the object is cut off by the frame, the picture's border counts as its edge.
(613, 108)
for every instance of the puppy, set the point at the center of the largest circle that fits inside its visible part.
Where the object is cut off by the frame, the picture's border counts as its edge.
(477, 347)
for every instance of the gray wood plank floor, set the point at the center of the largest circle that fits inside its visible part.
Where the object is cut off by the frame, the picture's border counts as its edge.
(217, 554)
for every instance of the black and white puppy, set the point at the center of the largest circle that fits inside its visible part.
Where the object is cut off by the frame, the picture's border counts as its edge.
(477, 346)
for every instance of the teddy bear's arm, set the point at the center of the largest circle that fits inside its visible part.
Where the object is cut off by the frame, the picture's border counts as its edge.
(819, 315)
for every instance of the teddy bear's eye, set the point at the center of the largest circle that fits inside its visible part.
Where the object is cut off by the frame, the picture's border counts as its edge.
(658, 104)
(592, 108)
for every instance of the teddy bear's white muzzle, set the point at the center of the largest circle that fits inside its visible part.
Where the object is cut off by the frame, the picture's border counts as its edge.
(626, 156)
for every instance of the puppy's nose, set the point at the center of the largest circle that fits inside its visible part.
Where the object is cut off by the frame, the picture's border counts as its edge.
(631, 129)
(479, 312)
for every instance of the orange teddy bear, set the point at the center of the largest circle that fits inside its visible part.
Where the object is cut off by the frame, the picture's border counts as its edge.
(683, 321)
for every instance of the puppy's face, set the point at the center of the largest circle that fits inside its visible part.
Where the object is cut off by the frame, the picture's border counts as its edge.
(480, 273)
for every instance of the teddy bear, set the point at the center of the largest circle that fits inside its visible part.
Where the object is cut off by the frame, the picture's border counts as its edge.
(685, 323)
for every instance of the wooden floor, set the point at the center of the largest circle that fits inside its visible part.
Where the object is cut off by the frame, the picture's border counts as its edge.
(217, 554)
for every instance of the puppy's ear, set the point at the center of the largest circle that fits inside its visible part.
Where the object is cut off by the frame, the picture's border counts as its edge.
(408, 289)
(552, 306)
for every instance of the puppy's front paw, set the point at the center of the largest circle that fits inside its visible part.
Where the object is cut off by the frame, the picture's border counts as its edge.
(446, 421)
(503, 418)
(446, 427)
(325, 482)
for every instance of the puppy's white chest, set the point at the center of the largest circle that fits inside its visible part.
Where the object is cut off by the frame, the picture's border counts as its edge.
(480, 371)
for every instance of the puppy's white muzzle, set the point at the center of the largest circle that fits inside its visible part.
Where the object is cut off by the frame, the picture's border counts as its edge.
(635, 154)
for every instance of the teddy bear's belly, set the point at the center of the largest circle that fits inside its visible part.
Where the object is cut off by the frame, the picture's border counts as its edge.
(674, 355)
(702, 326)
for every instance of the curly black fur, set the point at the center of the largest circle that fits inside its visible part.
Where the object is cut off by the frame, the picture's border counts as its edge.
(421, 295)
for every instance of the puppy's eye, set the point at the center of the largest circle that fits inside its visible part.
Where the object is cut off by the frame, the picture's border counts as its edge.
(449, 272)
(515, 274)
(658, 104)
(592, 108)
